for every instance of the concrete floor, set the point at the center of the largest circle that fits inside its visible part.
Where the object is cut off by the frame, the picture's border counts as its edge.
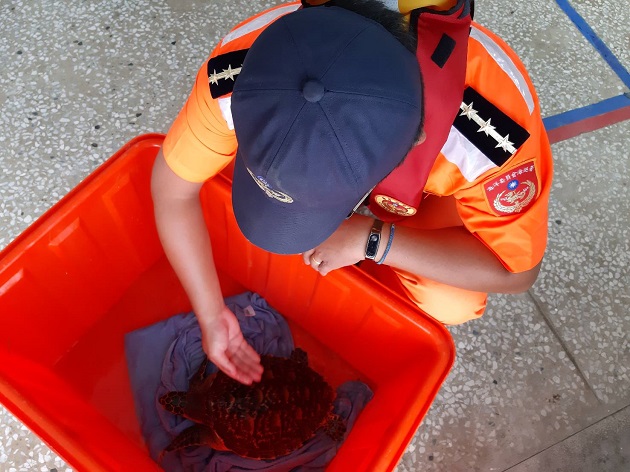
(541, 382)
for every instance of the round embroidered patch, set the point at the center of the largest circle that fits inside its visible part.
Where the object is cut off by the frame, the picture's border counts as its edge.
(512, 191)
(394, 206)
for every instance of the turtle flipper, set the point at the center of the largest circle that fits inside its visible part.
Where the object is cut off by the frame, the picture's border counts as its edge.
(175, 402)
(196, 435)
(335, 427)
(300, 356)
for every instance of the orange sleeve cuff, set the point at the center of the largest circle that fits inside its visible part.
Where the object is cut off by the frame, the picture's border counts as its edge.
(199, 143)
(519, 244)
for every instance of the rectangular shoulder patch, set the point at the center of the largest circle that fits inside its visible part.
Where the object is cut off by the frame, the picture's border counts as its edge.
(513, 190)
(490, 130)
(223, 71)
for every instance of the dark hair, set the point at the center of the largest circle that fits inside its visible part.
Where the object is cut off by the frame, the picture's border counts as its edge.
(375, 10)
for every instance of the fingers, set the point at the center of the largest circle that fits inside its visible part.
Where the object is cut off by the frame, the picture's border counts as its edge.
(224, 364)
(323, 269)
(247, 362)
(242, 363)
(315, 262)
(319, 265)
(225, 346)
(314, 259)
(239, 371)
(310, 258)
(306, 256)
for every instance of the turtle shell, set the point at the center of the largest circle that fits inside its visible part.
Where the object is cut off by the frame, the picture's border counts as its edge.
(267, 419)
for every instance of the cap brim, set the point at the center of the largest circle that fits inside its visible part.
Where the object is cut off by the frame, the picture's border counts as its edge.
(279, 227)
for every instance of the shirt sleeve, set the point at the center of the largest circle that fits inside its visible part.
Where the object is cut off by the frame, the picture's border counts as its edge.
(200, 143)
(502, 201)
(508, 210)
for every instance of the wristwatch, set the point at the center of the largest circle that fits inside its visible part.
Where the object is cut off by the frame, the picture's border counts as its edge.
(374, 239)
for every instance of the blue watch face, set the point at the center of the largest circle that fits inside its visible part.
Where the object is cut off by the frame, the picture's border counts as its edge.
(373, 240)
(372, 246)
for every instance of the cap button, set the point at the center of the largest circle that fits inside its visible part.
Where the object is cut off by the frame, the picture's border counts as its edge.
(313, 90)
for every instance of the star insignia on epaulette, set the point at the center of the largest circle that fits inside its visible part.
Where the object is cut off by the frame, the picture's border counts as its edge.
(506, 145)
(228, 73)
(468, 111)
(488, 128)
(229, 66)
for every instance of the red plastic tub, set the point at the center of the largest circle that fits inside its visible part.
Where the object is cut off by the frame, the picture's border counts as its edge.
(92, 269)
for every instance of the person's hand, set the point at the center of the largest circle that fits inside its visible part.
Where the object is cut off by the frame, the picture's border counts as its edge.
(225, 346)
(346, 246)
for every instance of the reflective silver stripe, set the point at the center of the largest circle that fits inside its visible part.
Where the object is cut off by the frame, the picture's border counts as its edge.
(225, 104)
(504, 61)
(470, 161)
(257, 23)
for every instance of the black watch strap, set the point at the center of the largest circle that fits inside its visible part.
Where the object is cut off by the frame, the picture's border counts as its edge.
(373, 241)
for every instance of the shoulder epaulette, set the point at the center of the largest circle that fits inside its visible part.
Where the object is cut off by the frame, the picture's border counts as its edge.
(223, 71)
(490, 130)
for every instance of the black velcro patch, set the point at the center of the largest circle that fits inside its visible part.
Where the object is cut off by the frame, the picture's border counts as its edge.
(443, 50)
(223, 71)
(494, 133)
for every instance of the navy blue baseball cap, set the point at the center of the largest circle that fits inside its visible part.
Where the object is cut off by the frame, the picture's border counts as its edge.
(327, 104)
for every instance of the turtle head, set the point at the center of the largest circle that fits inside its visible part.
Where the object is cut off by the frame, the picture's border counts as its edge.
(175, 402)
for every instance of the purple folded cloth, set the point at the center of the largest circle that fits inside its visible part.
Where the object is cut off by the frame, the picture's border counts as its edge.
(162, 357)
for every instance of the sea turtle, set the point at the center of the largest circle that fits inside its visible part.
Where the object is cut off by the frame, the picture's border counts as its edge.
(268, 419)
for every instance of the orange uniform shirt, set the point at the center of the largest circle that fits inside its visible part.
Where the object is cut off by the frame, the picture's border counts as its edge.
(505, 205)
(201, 141)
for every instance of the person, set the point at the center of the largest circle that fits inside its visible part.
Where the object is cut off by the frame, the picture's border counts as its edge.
(346, 149)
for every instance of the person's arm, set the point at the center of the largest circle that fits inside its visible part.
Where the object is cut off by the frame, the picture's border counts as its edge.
(455, 257)
(452, 256)
(186, 242)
